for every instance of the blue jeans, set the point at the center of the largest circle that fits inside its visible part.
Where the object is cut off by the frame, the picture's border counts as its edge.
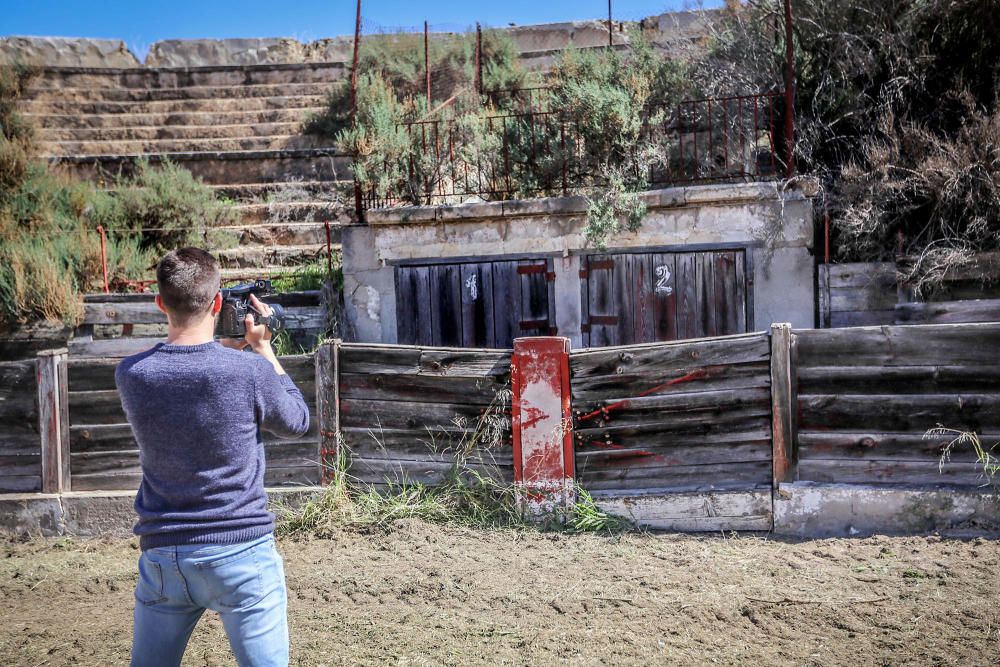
(244, 583)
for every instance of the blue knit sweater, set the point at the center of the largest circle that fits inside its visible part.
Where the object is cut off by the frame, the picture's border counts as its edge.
(197, 412)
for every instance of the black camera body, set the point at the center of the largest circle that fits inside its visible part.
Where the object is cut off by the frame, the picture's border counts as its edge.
(236, 306)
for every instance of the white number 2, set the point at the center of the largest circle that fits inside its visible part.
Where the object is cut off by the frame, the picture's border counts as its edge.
(663, 277)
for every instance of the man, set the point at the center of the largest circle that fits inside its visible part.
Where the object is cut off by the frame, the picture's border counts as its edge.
(197, 408)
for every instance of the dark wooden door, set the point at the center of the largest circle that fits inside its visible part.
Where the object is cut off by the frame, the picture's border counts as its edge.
(659, 296)
(474, 304)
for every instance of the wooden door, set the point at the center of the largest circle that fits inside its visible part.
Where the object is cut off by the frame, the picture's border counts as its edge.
(648, 297)
(474, 304)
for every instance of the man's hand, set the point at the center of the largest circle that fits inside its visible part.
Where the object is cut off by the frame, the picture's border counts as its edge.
(258, 336)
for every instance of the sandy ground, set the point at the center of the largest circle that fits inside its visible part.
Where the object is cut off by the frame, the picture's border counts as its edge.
(429, 595)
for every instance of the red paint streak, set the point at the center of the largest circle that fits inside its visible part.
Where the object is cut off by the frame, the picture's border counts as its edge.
(699, 374)
(530, 416)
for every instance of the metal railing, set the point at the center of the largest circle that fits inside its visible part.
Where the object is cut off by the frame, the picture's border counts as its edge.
(534, 152)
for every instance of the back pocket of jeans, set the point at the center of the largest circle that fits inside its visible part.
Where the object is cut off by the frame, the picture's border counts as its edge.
(235, 582)
(149, 590)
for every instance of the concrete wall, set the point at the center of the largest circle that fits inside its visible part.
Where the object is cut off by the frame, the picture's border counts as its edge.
(534, 41)
(678, 217)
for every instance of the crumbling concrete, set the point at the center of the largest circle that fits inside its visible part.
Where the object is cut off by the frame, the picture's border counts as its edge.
(67, 52)
(773, 222)
(806, 509)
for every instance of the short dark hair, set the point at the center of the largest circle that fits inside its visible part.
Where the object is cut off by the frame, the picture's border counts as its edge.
(188, 279)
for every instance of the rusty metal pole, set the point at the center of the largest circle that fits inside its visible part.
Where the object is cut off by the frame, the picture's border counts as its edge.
(789, 94)
(609, 24)
(427, 64)
(354, 61)
(358, 207)
(104, 257)
(479, 59)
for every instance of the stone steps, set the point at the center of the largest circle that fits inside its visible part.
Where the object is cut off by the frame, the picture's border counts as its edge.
(323, 191)
(186, 118)
(284, 257)
(183, 77)
(172, 106)
(276, 212)
(222, 167)
(162, 132)
(164, 146)
(183, 93)
(287, 234)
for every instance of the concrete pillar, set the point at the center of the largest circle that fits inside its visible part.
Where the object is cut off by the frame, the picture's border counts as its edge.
(543, 425)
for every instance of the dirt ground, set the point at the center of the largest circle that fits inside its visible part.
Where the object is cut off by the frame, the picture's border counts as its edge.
(430, 595)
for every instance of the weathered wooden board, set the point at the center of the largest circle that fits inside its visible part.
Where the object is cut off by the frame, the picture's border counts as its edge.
(435, 362)
(854, 318)
(595, 458)
(21, 464)
(874, 445)
(129, 480)
(711, 511)
(732, 475)
(904, 413)
(750, 432)
(427, 445)
(625, 410)
(890, 471)
(948, 312)
(669, 360)
(393, 387)
(898, 379)
(20, 483)
(360, 413)
(429, 473)
(915, 345)
(713, 378)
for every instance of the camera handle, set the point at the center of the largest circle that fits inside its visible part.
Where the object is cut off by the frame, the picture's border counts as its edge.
(275, 322)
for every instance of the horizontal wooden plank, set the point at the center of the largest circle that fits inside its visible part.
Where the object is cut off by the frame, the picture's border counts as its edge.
(891, 412)
(691, 423)
(862, 274)
(669, 360)
(279, 453)
(394, 387)
(20, 483)
(984, 267)
(862, 299)
(716, 476)
(739, 510)
(890, 471)
(19, 409)
(751, 433)
(862, 318)
(19, 442)
(734, 376)
(914, 345)
(408, 360)
(110, 347)
(898, 379)
(903, 446)
(943, 312)
(408, 415)
(595, 458)
(100, 438)
(630, 409)
(430, 473)
(102, 406)
(408, 445)
(129, 480)
(21, 464)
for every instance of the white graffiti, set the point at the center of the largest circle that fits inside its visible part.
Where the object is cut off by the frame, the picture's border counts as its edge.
(663, 277)
(473, 288)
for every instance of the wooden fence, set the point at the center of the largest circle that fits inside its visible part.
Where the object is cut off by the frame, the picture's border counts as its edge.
(406, 414)
(866, 397)
(690, 434)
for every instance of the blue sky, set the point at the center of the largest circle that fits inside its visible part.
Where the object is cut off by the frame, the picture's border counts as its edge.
(140, 23)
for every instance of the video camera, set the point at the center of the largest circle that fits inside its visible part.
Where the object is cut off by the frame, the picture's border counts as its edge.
(236, 306)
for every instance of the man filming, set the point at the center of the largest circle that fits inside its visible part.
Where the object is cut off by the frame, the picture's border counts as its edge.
(197, 408)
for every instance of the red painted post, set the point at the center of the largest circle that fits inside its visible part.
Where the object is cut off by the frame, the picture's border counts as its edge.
(543, 425)
(610, 33)
(354, 60)
(104, 257)
(479, 59)
(427, 64)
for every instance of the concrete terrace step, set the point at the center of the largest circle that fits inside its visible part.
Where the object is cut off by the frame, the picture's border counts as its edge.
(330, 191)
(287, 233)
(172, 106)
(184, 93)
(223, 167)
(161, 132)
(161, 146)
(256, 256)
(277, 212)
(186, 118)
(180, 77)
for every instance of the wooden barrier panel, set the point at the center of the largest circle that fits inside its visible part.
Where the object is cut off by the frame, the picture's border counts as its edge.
(407, 414)
(675, 417)
(857, 294)
(867, 396)
(103, 451)
(20, 442)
